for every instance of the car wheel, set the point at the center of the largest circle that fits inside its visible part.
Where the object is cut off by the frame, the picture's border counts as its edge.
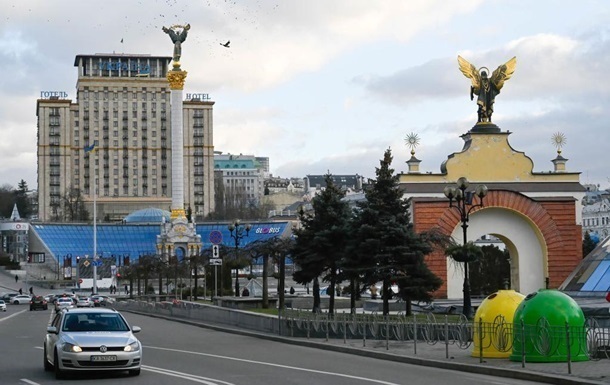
(134, 372)
(16, 303)
(59, 375)
(47, 365)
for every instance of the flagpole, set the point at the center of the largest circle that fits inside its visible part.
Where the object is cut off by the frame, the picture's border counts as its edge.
(94, 288)
(94, 238)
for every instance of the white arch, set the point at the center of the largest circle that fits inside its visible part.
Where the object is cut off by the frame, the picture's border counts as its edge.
(522, 239)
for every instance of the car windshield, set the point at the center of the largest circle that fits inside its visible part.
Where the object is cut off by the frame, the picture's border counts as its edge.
(93, 322)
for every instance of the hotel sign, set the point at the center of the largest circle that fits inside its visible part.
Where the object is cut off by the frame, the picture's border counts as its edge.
(142, 69)
(200, 97)
(51, 94)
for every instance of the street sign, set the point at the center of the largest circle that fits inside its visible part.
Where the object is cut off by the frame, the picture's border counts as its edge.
(86, 263)
(97, 262)
(215, 261)
(215, 237)
(215, 251)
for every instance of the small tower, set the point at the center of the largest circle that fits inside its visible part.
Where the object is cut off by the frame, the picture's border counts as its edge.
(412, 141)
(559, 140)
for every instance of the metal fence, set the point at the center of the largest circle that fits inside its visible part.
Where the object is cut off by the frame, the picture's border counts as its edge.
(541, 342)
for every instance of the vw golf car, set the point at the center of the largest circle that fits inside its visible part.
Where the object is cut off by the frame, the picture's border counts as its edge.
(91, 339)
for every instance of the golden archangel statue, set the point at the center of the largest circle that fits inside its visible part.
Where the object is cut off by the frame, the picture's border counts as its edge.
(486, 88)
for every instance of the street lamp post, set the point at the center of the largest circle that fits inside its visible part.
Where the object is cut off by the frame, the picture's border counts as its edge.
(464, 205)
(238, 231)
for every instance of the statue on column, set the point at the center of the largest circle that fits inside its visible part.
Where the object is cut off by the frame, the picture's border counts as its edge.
(178, 35)
(486, 88)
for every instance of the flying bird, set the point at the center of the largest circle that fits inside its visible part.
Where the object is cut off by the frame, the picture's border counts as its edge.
(226, 44)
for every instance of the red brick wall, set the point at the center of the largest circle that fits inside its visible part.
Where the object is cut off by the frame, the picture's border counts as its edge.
(555, 218)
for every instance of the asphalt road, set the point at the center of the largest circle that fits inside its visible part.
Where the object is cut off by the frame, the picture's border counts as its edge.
(176, 354)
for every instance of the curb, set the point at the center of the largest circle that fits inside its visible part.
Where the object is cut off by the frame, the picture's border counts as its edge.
(471, 368)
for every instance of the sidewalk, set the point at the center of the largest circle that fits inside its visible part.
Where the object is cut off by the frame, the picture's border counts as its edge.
(588, 372)
(433, 355)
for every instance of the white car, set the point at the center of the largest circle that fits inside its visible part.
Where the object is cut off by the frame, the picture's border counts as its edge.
(64, 303)
(91, 340)
(2, 305)
(84, 302)
(21, 299)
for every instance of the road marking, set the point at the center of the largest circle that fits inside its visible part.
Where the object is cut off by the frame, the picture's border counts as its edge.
(186, 376)
(11, 316)
(276, 365)
(29, 382)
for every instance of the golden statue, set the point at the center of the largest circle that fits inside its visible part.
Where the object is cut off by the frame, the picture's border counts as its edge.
(486, 88)
(178, 35)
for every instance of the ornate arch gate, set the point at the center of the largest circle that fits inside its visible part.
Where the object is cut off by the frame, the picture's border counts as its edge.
(536, 214)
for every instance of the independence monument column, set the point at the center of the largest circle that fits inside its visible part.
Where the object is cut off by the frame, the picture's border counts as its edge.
(178, 239)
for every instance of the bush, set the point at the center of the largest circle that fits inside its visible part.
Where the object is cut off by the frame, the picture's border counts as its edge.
(10, 265)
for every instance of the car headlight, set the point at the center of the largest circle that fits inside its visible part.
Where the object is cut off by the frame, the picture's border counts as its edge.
(68, 347)
(132, 347)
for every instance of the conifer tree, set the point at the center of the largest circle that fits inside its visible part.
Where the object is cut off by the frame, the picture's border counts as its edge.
(321, 241)
(385, 247)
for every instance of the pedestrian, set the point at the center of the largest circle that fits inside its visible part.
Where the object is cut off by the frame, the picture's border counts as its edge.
(16, 278)
(291, 290)
(126, 290)
(245, 292)
(31, 290)
(20, 291)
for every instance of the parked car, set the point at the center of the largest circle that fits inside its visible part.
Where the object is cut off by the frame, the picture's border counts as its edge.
(64, 303)
(21, 299)
(84, 302)
(6, 297)
(80, 340)
(38, 302)
(2, 305)
(102, 300)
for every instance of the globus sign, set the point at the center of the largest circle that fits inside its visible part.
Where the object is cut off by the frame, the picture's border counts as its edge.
(268, 230)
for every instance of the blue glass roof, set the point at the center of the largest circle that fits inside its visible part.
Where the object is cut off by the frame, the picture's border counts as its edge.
(148, 215)
(592, 276)
(134, 239)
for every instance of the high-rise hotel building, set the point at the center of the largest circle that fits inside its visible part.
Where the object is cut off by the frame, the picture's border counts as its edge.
(123, 107)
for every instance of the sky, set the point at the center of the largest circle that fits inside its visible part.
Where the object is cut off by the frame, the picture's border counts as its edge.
(328, 85)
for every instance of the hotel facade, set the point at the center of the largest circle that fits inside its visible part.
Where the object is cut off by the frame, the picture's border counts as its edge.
(123, 108)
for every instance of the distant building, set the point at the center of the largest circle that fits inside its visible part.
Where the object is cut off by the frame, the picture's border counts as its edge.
(283, 196)
(242, 176)
(350, 184)
(122, 108)
(596, 213)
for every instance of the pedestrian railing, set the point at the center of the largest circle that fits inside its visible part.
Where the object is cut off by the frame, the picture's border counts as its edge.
(540, 342)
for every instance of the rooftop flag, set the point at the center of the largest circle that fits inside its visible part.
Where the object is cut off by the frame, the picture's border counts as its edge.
(89, 148)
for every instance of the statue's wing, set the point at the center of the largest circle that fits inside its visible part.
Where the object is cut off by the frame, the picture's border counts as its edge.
(503, 73)
(471, 72)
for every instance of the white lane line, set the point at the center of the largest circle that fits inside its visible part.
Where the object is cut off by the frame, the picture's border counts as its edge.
(11, 316)
(186, 376)
(29, 382)
(276, 365)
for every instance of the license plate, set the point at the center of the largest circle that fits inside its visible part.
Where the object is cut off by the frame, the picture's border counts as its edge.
(103, 358)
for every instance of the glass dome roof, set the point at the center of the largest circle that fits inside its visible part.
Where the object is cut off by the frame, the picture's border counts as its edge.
(149, 215)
